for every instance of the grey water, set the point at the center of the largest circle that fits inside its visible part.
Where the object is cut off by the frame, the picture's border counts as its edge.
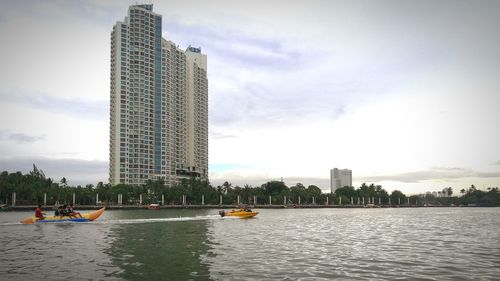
(278, 244)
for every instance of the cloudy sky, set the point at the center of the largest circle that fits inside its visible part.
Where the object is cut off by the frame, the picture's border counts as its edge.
(404, 93)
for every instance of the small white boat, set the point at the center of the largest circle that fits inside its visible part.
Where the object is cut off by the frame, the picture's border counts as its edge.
(154, 206)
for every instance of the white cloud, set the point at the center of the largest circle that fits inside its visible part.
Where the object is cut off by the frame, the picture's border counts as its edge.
(54, 53)
(63, 135)
(386, 88)
(77, 107)
(19, 137)
(76, 171)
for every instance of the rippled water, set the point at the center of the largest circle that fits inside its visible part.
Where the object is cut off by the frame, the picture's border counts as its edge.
(279, 244)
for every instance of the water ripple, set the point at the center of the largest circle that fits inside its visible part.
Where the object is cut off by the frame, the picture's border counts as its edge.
(388, 244)
(290, 244)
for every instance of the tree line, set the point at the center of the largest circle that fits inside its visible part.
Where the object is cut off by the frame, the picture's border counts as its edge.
(34, 187)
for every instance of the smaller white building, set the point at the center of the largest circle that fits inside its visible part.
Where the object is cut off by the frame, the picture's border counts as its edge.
(340, 178)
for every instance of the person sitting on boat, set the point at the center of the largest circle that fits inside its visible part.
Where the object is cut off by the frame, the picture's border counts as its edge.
(57, 212)
(247, 208)
(61, 211)
(64, 211)
(38, 212)
(71, 212)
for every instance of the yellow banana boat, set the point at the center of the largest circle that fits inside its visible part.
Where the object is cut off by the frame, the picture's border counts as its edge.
(84, 218)
(242, 213)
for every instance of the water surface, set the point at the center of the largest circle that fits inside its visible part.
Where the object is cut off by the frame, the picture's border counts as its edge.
(279, 244)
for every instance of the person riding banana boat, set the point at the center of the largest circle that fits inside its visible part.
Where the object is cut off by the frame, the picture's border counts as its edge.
(62, 215)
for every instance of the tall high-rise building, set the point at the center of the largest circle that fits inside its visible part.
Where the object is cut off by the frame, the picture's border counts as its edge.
(340, 178)
(159, 104)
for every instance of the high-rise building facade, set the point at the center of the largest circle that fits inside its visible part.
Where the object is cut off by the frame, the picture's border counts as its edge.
(158, 104)
(340, 178)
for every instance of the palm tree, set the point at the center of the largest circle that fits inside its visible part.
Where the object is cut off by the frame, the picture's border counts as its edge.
(449, 190)
(64, 182)
(226, 186)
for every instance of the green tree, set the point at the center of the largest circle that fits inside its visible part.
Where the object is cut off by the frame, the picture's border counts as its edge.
(296, 191)
(347, 191)
(274, 188)
(314, 191)
(397, 196)
(64, 182)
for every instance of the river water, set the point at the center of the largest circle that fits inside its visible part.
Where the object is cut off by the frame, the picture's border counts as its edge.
(278, 244)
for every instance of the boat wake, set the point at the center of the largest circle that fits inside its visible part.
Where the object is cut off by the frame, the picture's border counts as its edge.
(10, 223)
(151, 220)
(131, 221)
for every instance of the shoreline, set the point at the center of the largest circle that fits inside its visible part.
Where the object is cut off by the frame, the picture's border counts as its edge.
(145, 207)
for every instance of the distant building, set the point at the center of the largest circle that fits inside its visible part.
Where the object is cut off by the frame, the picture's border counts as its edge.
(340, 178)
(159, 104)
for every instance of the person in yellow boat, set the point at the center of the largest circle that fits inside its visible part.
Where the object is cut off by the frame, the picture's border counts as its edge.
(71, 212)
(38, 212)
(64, 211)
(61, 211)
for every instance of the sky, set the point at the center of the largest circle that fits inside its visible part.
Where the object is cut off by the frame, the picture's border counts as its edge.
(406, 94)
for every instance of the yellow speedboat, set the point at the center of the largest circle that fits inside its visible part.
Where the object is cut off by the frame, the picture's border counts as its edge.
(242, 213)
(84, 218)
